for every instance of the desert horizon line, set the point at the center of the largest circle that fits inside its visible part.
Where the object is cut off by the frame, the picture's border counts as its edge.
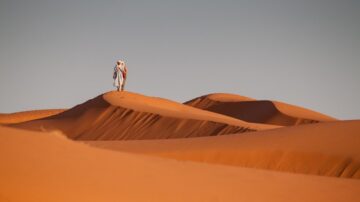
(181, 102)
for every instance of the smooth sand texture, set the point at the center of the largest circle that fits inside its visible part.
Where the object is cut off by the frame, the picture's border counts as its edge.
(19, 117)
(177, 152)
(40, 167)
(128, 116)
(329, 149)
(257, 111)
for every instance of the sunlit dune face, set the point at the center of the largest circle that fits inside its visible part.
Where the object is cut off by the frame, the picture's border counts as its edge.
(215, 145)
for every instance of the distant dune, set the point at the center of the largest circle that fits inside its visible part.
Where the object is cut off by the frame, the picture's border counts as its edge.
(257, 111)
(218, 147)
(129, 116)
(19, 117)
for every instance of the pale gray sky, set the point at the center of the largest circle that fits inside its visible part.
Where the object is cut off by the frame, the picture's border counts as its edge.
(56, 54)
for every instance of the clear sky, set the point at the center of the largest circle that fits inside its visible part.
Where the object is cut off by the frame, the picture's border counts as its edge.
(59, 53)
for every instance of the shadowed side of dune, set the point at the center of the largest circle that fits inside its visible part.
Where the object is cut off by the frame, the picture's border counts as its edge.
(261, 111)
(97, 119)
(327, 149)
(118, 123)
(250, 110)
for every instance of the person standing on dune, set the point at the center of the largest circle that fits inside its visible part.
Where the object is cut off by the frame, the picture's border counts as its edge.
(119, 75)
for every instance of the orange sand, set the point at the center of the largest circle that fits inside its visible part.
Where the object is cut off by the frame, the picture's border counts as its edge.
(19, 117)
(125, 116)
(257, 111)
(219, 147)
(48, 167)
(330, 149)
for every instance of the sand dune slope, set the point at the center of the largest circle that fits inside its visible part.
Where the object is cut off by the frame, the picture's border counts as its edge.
(19, 117)
(125, 116)
(41, 167)
(328, 149)
(257, 111)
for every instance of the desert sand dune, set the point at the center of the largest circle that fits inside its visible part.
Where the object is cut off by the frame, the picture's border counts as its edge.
(257, 111)
(328, 149)
(19, 117)
(41, 167)
(128, 116)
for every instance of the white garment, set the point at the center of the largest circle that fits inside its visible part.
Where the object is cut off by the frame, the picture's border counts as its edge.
(118, 81)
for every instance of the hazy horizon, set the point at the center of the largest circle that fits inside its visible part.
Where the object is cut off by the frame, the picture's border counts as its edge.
(57, 54)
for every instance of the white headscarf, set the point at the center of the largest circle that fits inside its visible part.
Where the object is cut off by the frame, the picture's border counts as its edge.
(120, 63)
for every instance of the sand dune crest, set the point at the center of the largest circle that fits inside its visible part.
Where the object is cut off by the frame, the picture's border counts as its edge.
(257, 111)
(129, 116)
